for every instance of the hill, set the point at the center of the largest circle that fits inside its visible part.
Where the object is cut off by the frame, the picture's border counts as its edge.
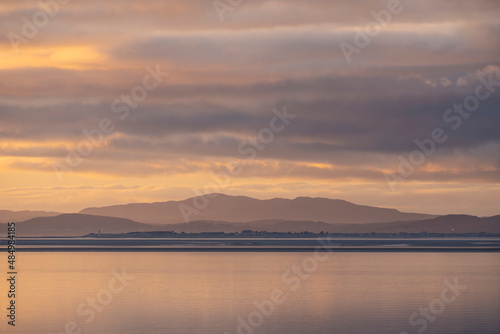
(243, 209)
(442, 224)
(77, 225)
(7, 216)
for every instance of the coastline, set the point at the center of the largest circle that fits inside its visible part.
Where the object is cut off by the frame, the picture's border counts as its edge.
(254, 245)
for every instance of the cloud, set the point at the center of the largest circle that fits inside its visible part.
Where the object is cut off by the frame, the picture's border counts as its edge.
(353, 120)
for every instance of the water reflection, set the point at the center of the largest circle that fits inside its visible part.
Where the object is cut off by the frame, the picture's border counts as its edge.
(218, 292)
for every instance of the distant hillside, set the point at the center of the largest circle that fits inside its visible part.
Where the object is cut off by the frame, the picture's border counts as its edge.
(7, 216)
(77, 225)
(443, 224)
(243, 209)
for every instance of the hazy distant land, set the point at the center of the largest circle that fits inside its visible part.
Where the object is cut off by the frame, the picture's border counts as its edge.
(227, 208)
(235, 214)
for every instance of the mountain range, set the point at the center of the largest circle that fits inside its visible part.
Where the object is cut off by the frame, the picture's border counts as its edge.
(237, 213)
(222, 207)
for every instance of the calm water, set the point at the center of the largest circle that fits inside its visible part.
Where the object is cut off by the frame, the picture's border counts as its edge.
(214, 292)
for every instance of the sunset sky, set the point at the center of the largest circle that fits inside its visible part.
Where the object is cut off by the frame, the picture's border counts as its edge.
(354, 120)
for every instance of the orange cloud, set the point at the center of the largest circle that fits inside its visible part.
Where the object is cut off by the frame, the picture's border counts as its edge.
(75, 57)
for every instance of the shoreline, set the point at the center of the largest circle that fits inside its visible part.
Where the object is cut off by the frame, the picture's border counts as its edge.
(253, 245)
(262, 250)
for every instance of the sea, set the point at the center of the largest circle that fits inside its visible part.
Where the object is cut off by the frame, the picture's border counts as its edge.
(255, 292)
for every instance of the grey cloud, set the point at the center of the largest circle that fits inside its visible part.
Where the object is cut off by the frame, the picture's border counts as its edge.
(379, 116)
(226, 78)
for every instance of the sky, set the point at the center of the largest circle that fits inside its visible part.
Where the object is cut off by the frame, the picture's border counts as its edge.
(384, 103)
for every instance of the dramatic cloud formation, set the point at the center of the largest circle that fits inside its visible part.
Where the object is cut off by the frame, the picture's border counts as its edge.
(85, 99)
